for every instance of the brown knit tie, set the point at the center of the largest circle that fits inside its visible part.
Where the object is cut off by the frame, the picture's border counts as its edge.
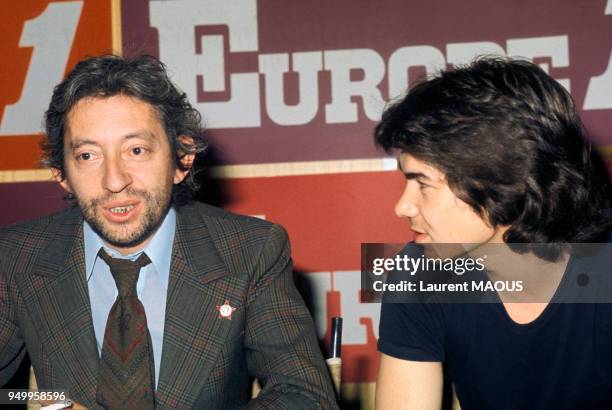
(126, 375)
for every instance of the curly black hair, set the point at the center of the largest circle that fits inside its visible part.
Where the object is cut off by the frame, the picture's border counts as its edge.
(512, 146)
(143, 77)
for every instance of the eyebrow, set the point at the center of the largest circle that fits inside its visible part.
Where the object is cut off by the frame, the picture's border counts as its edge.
(79, 143)
(75, 144)
(415, 175)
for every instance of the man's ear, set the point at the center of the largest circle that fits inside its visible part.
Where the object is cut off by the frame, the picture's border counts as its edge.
(186, 158)
(61, 179)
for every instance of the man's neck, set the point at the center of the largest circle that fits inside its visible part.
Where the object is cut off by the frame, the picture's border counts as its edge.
(130, 250)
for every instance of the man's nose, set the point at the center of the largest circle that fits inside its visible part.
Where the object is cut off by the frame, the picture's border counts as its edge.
(405, 206)
(116, 176)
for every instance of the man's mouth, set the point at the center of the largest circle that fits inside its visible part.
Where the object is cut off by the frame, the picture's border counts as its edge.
(419, 236)
(121, 212)
(122, 209)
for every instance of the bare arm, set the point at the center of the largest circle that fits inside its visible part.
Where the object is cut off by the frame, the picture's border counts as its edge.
(406, 384)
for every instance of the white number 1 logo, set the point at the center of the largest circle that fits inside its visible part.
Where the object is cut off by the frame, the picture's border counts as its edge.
(51, 35)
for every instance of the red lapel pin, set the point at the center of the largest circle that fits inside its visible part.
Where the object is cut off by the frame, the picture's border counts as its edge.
(225, 310)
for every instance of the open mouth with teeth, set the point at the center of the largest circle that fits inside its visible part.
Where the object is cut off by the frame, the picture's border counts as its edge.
(123, 213)
(122, 209)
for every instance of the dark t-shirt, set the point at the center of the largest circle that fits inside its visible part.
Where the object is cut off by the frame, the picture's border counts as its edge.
(561, 360)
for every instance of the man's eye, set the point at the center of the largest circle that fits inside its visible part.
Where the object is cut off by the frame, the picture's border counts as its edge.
(138, 150)
(86, 156)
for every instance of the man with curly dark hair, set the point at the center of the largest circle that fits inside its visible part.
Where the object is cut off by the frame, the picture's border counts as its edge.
(136, 297)
(495, 153)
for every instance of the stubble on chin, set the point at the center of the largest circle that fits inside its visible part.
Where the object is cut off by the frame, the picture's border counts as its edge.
(156, 207)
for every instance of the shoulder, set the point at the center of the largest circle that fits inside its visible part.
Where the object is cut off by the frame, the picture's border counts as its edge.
(38, 231)
(241, 241)
(426, 331)
(222, 223)
(38, 225)
(412, 331)
(24, 242)
(228, 219)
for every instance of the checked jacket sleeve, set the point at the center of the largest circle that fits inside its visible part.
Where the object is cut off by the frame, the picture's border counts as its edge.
(282, 348)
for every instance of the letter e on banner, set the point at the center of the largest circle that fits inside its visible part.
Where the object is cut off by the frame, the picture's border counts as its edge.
(189, 55)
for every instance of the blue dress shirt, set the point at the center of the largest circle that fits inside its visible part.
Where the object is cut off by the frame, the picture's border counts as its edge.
(152, 285)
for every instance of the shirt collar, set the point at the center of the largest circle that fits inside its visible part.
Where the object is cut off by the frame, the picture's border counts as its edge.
(159, 249)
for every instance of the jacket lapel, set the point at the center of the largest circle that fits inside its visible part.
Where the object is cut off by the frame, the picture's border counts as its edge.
(193, 333)
(58, 302)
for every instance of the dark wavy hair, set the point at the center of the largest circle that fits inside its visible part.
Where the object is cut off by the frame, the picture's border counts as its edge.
(142, 77)
(512, 146)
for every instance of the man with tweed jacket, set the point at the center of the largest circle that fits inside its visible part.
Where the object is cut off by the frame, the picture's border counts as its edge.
(221, 307)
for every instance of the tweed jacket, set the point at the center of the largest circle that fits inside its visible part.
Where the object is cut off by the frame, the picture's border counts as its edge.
(207, 359)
